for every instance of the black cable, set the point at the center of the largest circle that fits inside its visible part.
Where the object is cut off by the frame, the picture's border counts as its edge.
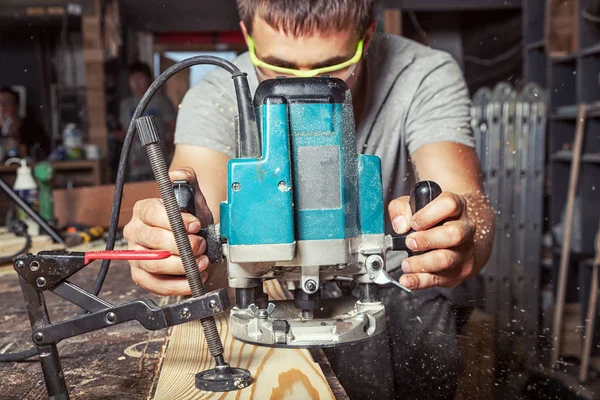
(247, 120)
(7, 259)
(246, 116)
(15, 357)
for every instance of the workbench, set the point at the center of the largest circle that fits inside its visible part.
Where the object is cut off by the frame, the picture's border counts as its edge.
(128, 362)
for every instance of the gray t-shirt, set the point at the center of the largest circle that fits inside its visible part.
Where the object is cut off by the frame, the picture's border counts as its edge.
(414, 95)
(161, 108)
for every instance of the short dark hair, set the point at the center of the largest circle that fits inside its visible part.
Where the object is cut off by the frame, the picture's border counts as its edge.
(140, 67)
(301, 17)
(15, 95)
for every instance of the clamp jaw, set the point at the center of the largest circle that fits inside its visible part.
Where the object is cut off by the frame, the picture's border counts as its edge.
(49, 271)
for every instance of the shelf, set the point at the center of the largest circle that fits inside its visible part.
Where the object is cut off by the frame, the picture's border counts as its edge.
(539, 45)
(568, 58)
(565, 112)
(567, 156)
(570, 112)
(588, 51)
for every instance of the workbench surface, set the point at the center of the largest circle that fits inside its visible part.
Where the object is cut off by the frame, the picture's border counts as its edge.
(128, 362)
(115, 363)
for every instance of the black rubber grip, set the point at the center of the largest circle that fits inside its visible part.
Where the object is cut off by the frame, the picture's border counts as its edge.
(422, 193)
(147, 130)
(186, 199)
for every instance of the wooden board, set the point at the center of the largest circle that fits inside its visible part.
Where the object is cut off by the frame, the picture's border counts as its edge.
(93, 205)
(278, 373)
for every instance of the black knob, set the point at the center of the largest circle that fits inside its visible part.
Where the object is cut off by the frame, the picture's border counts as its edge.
(186, 200)
(422, 193)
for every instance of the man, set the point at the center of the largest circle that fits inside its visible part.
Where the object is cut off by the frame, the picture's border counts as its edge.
(407, 99)
(160, 107)
(23, 134)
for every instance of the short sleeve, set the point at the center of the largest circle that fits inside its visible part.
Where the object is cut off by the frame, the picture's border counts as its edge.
(440, 109)
(206, 117)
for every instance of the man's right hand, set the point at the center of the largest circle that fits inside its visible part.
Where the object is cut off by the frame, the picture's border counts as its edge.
(149, 229)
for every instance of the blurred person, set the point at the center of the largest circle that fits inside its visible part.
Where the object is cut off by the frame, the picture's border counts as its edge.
(24, 135)
(160, 107)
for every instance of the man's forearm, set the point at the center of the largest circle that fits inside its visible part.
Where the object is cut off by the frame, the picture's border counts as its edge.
(483, 215)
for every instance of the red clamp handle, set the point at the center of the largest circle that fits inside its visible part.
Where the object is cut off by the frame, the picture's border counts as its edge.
(126, 255)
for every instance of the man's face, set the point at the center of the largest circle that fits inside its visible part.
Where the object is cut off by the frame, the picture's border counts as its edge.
(316, 50)
(139, 83)
(8, 107)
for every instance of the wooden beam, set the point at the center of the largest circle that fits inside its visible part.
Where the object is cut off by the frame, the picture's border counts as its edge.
(278, 373)
(93, 55)
(392, 21)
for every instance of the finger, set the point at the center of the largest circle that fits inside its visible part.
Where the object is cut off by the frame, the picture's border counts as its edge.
(446, 206)
(152, 212)
(169, 266)
(449, 235)
(184, 174)
(164, 285)
(400, 214)
(424, 280)
(149, 237)
(432, 262)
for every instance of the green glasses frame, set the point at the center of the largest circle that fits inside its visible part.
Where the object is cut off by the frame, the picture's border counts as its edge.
(300, 73)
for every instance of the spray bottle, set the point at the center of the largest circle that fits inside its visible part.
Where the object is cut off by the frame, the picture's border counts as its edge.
(26, 188)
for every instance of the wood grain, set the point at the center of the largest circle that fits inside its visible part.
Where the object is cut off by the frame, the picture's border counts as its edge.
(278, 373)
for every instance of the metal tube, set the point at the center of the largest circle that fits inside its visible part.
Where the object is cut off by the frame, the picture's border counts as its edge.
(31, 212)
(53, 373)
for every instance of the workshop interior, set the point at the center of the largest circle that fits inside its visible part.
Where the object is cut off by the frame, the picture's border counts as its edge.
(302, 256)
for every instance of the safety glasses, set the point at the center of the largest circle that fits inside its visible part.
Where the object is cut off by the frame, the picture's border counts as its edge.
(343, 70)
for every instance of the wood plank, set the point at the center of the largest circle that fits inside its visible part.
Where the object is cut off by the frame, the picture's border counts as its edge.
(278, 373)
(93, 54)
(568, 227)
(93, 205)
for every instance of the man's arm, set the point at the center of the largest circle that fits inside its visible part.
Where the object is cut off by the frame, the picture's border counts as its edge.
(456, 228)
(456, 168)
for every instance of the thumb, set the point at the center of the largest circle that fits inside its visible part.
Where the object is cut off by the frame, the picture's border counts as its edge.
(400, 214)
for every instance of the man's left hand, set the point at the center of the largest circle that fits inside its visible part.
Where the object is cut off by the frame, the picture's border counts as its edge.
(445, 232)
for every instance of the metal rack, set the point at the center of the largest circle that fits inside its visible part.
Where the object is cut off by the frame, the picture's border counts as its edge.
(510, 132)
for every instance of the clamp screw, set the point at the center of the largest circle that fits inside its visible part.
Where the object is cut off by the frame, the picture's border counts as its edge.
(20, 264)
(212, 304)
(41, 281)
(111, 317)
(185, 313)
(310, 285)
(38, 337)
(34, 266)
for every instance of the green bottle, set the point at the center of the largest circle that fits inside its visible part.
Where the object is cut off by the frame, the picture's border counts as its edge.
(43, 172)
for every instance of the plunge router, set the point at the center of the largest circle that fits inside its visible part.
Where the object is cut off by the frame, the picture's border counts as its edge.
(304, 208)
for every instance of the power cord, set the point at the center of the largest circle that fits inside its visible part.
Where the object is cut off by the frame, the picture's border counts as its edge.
(247, 123)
